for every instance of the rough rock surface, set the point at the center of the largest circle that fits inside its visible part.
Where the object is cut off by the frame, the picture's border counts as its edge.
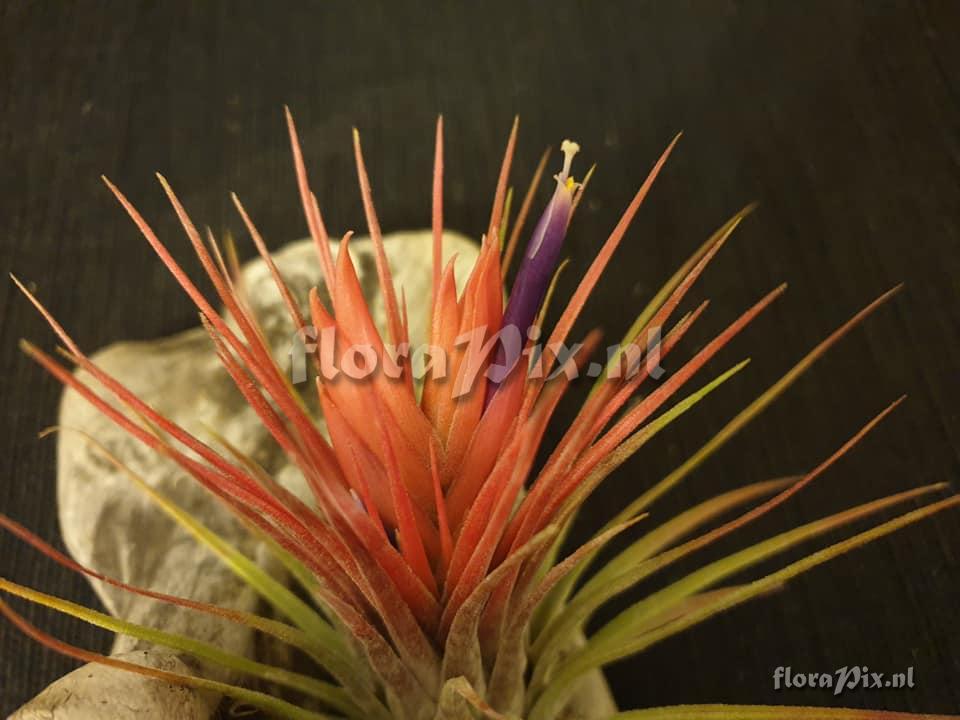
(96, 691)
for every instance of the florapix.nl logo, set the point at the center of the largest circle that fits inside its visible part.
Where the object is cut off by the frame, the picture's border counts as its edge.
(477, 353)
(848, 677)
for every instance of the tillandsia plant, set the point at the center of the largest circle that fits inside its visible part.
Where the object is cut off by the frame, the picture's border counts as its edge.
(434, 577)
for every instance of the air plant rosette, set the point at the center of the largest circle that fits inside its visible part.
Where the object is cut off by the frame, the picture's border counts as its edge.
(433, 572)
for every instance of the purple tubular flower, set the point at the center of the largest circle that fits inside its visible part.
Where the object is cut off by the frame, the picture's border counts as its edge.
(536, 271)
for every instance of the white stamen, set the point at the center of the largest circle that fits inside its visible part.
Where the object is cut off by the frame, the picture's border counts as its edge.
(569, 148)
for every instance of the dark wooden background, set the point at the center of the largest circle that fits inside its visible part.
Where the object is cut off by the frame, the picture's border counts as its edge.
(840, 118)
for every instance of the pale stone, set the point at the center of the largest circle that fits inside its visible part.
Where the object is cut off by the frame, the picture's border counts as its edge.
(97, 691)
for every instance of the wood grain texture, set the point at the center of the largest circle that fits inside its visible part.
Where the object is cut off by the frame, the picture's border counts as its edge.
(840, 118)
